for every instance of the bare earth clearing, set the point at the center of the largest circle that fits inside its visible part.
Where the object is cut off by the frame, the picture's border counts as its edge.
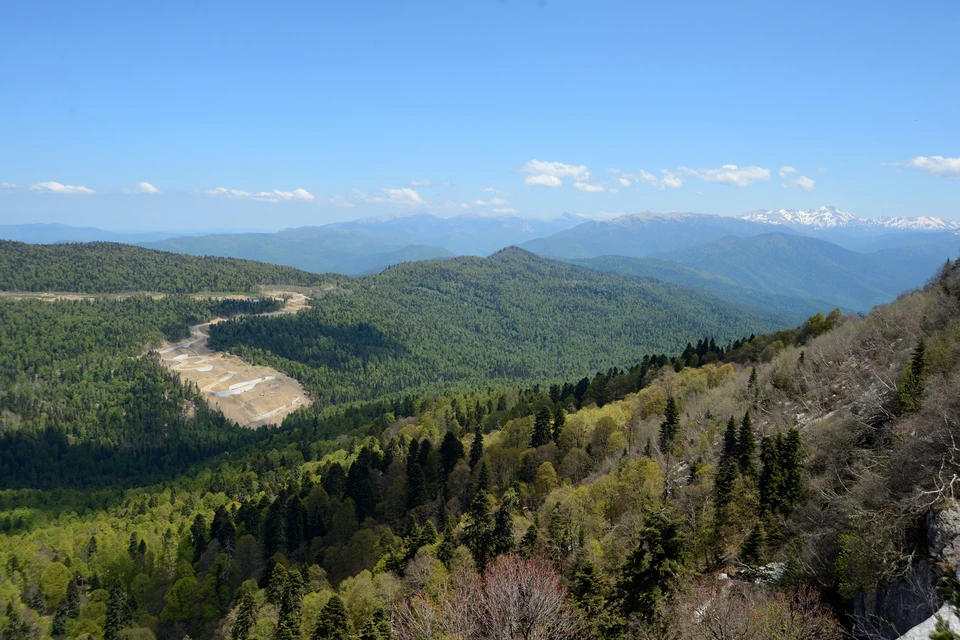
(248, 394)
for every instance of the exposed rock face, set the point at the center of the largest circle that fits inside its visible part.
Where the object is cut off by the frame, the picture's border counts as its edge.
(895, 608)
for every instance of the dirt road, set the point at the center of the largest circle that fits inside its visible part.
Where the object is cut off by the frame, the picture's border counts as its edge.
(248, 394)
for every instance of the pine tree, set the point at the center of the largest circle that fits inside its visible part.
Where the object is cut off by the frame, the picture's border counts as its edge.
(288, 620)
(16, 629)
(790, 453)
(771, 478)
(72, 599)
(752, 549)
(541, 428)
(502, 538)
(296, 523)
(670, 425)
(332, 622)
(910, 390)
(729, 442)
(476, 447)
(478, 532)
(447, 546)
(198, 530)
(559, 421)
(451, 450)
(747, 447)
(942, 631)
(753, 378)
(118, 612)
(275, 528)
(655, 564)
(59, 625)
(277, 585)
(246, 618)
(528, 543)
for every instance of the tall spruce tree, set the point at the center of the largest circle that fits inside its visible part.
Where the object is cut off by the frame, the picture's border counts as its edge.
(332, 622)
(910, 389)
(479, 530)
(729, 442)
(476, 448)
(670, 425)
(771, 478)
(747, 447)
(502, 536)
(559, 421)
(541, 428)
(451, 451)
(119, 614)
(246, 618)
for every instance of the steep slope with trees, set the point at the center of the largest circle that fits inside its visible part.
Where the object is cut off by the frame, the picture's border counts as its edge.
(105, 267)
(512, 316)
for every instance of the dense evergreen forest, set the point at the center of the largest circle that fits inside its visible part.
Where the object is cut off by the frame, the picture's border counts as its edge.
(108, 267)
(80, 407)
(466, 321)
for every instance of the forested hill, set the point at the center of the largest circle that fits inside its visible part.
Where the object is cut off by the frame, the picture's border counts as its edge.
(512, 316)
(107, 267)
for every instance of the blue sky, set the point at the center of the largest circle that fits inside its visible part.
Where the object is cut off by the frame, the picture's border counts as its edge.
(129, 115)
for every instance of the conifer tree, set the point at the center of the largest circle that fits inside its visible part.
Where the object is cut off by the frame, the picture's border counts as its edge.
(528, 543)
(72, 599)
(332, 622)
(447, 546)
(118, 612)
(277, 585)
(729, 442)
(670, 424)
(502, 537)
(771, 478)
(910, 390)
(541, 428)
(246, 618)
(478, 532)
(747, 447)
(58, 626)
(288, 620)
(296, 523)
(275, 528)
(198, 530)
(655, 564)
(790, 453)
(752, 549)
(476, 448)
(753, 377)
(451, 450)
(559, 421)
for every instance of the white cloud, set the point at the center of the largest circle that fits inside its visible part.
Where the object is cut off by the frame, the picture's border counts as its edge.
(142, 187)
(936, 166)
(405, 196)
(785, 171)
(464, 206)
(822, 170)
(801, 182)
(670, 180)
(624, 182)
(7, 186)
(556, 169)
(56, 187)
(505, 210)
(263, 196)
(421, 183)
(728, 174)
(497, 201)
(479, 203)
(543, 180)
(589, 188)
(614, 190)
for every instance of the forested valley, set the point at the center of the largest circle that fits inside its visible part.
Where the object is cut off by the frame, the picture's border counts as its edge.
(797, 465)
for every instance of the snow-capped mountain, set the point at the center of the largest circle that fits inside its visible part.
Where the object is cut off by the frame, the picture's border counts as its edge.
(834, 218)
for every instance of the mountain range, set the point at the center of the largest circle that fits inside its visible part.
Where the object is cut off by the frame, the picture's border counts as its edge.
(854, 264)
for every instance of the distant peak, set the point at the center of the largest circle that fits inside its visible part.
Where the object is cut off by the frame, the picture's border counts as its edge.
(830, 217)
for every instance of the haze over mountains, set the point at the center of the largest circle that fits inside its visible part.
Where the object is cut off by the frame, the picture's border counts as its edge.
(789, 261)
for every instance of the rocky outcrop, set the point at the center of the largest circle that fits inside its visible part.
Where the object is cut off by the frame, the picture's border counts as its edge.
(894, 609)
